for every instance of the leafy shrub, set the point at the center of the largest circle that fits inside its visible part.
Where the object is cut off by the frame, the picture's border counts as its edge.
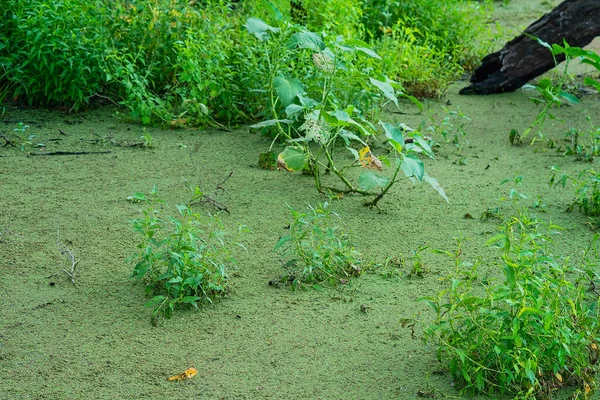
(315, 251)
(587, 189)
(183, 260)
(320, 112)
(454, 27)
(423, 69)
(526, 336)
(178, 62)
(52, 52)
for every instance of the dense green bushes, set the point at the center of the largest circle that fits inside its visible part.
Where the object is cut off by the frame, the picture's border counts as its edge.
(52, 51)
(180, 62)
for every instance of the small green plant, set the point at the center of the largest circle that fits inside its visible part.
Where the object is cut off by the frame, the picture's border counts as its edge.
(183, 259)
(451, 129)
(25, 140)
(587, 189)
(530, 333)
(578, 146)
(417, 268)
(147, 139)
(549, 95)
(410, 265)
(316, 252)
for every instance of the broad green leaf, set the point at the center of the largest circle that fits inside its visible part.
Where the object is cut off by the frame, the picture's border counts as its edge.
(509, 273)
(275, 11)
(413, 167)
(140, 269)
(306, 40)
(435, 185)
(288, 89)
(420, 140)
(293, 157)
(259, 28)
(190, 299)
(369, 180)
(271, 122)
(293, 111)
(595, 62)
(387, 89)
(569, 97)
(343, 116)
(331, 119)
(361, 46)
(396, 145)
(349, 136)
(393, 133)
(177, 279)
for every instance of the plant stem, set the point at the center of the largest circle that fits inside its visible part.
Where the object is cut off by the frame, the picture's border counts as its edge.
(373, 203)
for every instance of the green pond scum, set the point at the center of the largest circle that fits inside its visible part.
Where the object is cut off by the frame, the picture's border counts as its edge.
(73, 324)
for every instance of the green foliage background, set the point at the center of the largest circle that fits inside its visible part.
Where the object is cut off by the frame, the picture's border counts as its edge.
(183, 62)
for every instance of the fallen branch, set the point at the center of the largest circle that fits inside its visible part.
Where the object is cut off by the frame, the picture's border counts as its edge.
(204, 198)
(7, 141)
(111, 140)
(198, 195)
(69, 153)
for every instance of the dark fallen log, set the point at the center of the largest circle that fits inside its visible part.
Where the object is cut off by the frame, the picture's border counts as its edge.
(522, 59)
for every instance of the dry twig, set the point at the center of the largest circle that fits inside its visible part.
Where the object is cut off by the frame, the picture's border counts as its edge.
(65, 251)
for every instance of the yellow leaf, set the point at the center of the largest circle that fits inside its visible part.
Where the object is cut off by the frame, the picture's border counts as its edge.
(587, 389)
(187, 374)
(364, 154)
(558, 376)
(594, 347)
(368, 160)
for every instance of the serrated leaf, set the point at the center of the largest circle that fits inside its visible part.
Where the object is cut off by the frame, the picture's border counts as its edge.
(288, 89)
(387, 89)
(369, 180)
